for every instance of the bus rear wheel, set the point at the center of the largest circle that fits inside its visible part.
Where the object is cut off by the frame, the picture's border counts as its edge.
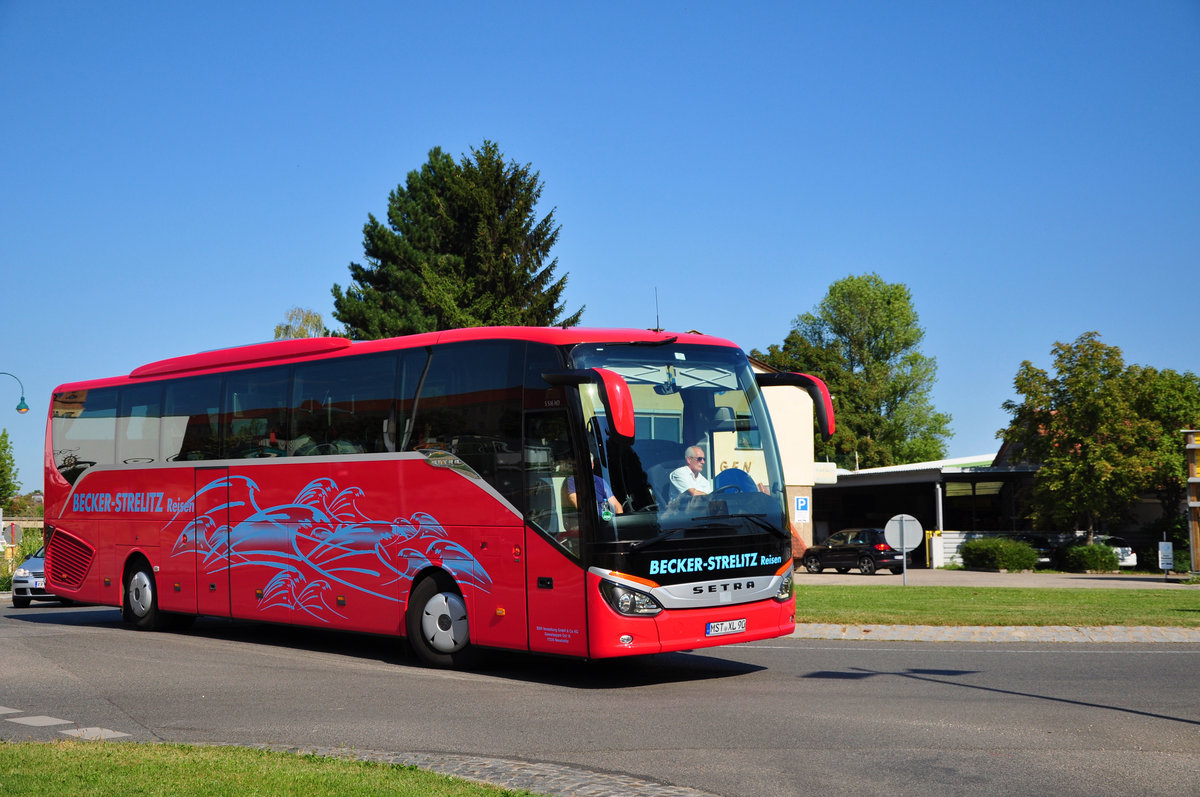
(437, 625)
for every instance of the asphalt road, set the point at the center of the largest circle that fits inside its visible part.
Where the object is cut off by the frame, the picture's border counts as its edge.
(789, 716)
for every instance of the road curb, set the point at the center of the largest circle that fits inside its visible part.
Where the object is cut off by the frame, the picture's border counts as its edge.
(979, 633)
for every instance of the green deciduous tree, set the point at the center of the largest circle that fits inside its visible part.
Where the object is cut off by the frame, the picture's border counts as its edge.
(462, 246)
(10, 485)
(1101, 433)
(863, 340)
(1171, 402)
(301, 322)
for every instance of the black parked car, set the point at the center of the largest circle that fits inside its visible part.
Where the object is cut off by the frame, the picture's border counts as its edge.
(1040, 545)
(865, 549)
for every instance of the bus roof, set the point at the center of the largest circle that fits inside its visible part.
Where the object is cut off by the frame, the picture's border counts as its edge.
(284, 351)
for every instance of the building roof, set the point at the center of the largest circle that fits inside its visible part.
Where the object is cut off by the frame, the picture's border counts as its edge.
(916, 472)
(976, 461)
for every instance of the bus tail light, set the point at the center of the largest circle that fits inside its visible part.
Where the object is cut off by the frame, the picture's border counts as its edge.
(628, 601)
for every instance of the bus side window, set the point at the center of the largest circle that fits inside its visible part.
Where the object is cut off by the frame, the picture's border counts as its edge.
(254, 413)
(138, 423)
(409, 373)
(191, 408)
(549, 456)
(470, 404)
(342, 406)
(83, 428)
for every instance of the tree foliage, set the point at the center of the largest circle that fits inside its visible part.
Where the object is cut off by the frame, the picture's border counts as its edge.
(27, 505)
(300, 322)
(461, 246)
(10, 485)
(863, 340)
(1101, 433)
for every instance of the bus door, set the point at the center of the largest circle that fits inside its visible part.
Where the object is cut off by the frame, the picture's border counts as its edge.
(555, 578)
(210, 541)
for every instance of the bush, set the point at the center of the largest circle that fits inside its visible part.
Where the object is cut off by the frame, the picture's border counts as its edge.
(1183, 560)
(1098, 558)
(998, 554)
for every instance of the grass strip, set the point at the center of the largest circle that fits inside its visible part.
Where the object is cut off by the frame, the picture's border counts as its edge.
(901, 605)
(86, 768)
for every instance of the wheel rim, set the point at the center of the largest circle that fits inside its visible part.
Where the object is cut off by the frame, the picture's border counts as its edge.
(141, 593)
(867, 566)
(444, 622)
(812, 565)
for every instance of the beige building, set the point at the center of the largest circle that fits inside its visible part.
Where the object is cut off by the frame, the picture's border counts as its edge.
(792, 417)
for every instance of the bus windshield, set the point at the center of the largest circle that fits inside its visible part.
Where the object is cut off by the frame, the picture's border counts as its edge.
(703, 461)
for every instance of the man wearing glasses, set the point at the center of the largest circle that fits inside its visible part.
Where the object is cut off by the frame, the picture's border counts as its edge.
(689, 479)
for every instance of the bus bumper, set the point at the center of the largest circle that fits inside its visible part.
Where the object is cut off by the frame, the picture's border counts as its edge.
(614, 634)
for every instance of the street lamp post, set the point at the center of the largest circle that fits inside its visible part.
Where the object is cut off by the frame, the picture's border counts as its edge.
(22, 407)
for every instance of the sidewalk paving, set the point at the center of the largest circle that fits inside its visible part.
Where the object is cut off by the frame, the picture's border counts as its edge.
(1020, 633)
(985, 633)
(923, 577)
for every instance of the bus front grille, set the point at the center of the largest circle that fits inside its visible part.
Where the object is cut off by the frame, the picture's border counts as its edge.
(68, 560)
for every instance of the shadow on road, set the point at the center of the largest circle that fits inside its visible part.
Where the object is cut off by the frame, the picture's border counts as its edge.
(940, 676)
(621, 673)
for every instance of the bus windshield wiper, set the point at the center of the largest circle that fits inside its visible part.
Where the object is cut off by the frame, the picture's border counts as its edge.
(755, 519)
(657, 538)
(758, 519)
(659, 342)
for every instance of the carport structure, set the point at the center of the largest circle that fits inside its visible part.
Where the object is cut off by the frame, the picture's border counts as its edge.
(968, 494)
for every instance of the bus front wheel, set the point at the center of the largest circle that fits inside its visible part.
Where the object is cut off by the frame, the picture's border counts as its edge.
(437, 623)
(140, 607)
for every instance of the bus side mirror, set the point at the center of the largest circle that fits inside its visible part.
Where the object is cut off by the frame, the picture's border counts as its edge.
(614, 393)
(822, 403)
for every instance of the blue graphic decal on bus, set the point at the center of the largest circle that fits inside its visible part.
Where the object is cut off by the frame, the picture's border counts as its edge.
(318, 540)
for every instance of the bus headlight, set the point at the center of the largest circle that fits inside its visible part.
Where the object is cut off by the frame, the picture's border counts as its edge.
(628, 601)
(785, 588)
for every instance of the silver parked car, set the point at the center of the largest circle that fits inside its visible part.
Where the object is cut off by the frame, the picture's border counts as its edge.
(29, 581)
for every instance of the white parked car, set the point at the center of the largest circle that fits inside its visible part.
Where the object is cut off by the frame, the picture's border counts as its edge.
(1126, 557)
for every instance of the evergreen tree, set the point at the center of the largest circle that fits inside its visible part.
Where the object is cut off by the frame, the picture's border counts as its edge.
(462, 246)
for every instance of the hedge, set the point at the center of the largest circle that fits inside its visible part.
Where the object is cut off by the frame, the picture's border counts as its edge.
(1095, 558)
(998, 553)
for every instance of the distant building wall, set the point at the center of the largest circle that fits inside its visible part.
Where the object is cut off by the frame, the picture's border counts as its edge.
(792, 417)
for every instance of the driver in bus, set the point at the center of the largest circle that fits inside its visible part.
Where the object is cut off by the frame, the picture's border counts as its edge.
(689, 479)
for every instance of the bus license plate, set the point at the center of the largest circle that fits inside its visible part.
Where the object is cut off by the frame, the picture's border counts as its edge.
(725, 627)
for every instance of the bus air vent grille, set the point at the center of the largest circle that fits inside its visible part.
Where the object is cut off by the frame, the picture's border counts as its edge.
(68, 560)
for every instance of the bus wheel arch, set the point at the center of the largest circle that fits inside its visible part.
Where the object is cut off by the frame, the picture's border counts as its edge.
(139, 601)
(436, 621)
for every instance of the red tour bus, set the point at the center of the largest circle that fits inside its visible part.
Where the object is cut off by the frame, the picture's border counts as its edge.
(434, 487)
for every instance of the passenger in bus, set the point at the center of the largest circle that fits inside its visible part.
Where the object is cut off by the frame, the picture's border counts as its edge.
(689, 479)
(605, 500)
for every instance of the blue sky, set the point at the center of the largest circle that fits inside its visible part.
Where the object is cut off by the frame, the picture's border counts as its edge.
(174, 177)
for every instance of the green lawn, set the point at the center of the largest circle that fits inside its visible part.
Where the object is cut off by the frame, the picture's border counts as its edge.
(901, 605)
(87, 768)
